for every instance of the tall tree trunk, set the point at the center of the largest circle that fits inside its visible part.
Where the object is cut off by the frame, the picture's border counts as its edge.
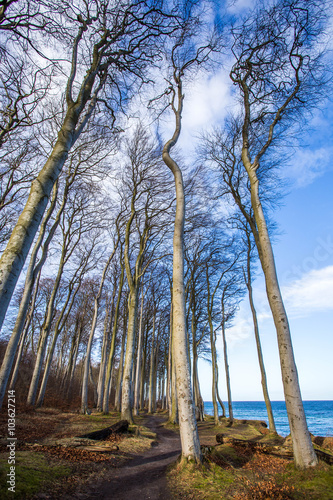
(24, 335)
(84, 398)
(169, 369)
(77, 115)
(226, 366)
(217, 390)
(101, 386)
(304, 454)
(112, 346)
(248, 282)
(32, 273)
(45, 333)
(143, 372)
(151, 370)
(138, 364)
(187, 423)
(121, 368)
(58, 327)
(173, 408)
(126, 400)
(214, 374)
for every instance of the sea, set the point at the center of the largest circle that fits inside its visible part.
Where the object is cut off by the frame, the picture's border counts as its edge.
(319, 414)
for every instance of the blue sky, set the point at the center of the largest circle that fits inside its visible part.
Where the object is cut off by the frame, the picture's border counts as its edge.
(304, 260)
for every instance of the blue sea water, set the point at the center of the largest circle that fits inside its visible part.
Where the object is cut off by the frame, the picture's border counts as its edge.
(319, 414)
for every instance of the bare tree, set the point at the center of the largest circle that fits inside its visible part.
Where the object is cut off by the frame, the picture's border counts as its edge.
(104, 43)
(277, 72)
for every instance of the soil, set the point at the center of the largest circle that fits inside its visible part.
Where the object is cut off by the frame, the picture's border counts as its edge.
(144, 477)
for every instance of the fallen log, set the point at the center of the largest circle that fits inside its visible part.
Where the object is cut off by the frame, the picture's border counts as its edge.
(280, 451)
(323, 455)
(118, 428)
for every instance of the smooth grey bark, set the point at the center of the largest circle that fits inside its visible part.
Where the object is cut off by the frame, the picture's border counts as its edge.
(226, 366)
(151, 402)
(304, 454)
(210, 305)
(113, 344)
(143, 370)
(32, 273)
(248, 282)
(121, 364)
(94, 386)
(187, 424)
(77, 115)
(168, 381)
(66, 309)
(127, 396)
(43, 339)
(217, 391)
(138, 363)
(108, 321)
(294, 65)
(84, 397)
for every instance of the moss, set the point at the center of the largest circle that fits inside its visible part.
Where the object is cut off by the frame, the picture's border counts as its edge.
(206, 482)
(313, 484)
(33, 473)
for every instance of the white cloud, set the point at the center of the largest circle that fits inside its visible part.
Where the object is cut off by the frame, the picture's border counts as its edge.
(240, 331)
(237, 6)
(312, 293)
(308, 165)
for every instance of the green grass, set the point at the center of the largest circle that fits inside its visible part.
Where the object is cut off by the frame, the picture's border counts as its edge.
(311, 484)
(32, 474)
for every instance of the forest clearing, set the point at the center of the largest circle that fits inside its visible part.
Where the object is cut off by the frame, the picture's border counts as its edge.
(55, 461)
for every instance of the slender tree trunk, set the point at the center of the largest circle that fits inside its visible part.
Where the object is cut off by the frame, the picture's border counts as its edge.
(84, 399)
(32, 273)
(24, 335)
(94, 385)
(187, 424)
(120, 370)
(199, 406)
(173, 408)
(214, 376)
(58, 327)
(304, 454)
(126, 401)
(169, 370)
(217, 390)
(226, 366)
(143, 372)
(151, 370)
(112, 346)
(248, 282)
(45, 333)
(102, 386)
(138, 364)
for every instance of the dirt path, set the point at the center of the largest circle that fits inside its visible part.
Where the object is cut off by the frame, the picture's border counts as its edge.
(144, 477)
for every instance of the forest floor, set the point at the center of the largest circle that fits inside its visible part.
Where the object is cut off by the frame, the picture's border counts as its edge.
(51, 462)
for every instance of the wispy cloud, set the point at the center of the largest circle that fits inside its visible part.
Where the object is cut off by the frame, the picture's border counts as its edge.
(237, 6)
(311, 293)
(307, 165)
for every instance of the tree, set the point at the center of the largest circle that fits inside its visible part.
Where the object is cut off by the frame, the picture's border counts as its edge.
(105, 43)
(276, 72)
(144, 184)
(188, 428)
